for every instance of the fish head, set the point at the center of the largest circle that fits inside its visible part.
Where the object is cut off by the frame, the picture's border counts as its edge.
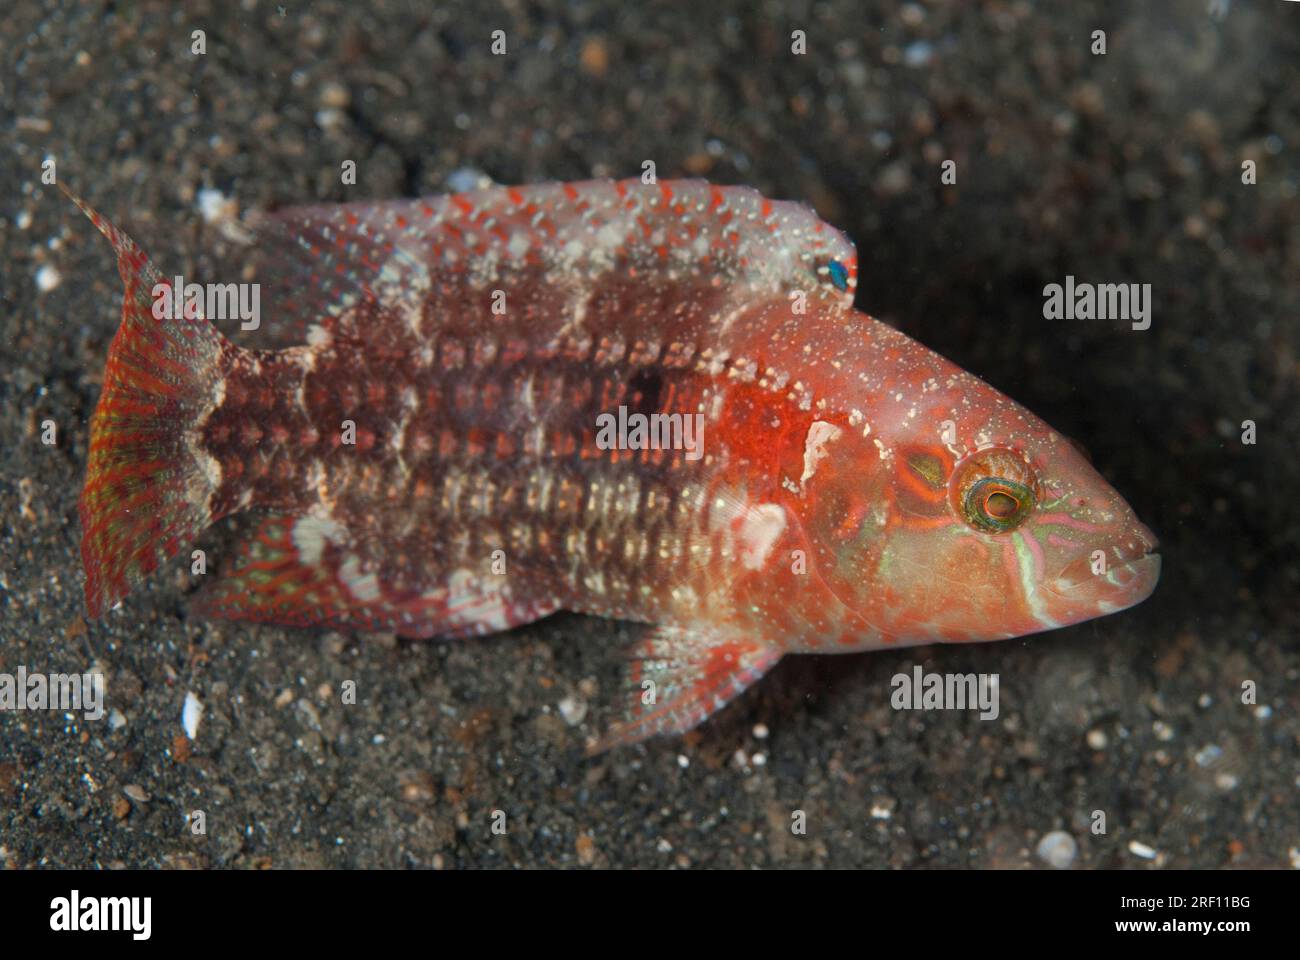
(1059, 544)
(929, 539)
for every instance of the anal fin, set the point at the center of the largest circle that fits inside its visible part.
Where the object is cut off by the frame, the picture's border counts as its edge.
(272, 581)
(676, 678)
(303, 571)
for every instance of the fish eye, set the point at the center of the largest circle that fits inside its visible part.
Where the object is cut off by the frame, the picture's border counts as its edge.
(997, 505)
(993, 491)
(1001, 505)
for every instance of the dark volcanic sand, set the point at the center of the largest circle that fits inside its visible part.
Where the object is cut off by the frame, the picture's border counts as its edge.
(1118, 168)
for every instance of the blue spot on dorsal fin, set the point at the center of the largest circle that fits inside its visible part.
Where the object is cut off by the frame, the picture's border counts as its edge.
(839, 275)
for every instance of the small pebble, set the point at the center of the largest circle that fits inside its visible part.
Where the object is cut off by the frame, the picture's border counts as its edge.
(330, 119)
(586, 850)
(417, 786)
(306, 708)
(1141, 850)
(1226, 781)
(1208, 755)
(1097, 739)
(894, 179)
(136, 793)
(467, 178)
(116, 719)
(573, 710)
(594, 57)
(918, 54)
(215, 206)
(334, 96)
(47, 278)
(760, 731)
(1057, 849)
(191, 715)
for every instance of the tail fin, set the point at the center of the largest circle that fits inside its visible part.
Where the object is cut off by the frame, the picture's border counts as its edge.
(148, 484)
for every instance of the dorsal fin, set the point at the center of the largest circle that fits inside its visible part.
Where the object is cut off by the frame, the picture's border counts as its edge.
(554, 250)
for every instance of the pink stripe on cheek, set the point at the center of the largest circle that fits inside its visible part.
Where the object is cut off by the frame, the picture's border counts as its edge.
(1036, 550)
(1056, 541)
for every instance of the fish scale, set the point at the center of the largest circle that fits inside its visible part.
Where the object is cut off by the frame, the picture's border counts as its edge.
(432, 451)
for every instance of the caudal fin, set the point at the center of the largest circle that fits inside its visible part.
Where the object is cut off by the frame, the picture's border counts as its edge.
(147, 487)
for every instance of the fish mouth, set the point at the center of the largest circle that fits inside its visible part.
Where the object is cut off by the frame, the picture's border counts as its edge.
(1129, 576)
(1138, 576)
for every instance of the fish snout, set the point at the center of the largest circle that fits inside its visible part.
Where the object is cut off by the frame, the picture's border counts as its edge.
(1112, 577)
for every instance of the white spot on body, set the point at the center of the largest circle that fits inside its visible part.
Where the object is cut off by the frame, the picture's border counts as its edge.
(318, 336)
(761, 527)
(527, 398)
(518, 244)
(364, 586)
(715, 407)
(473, 601)
(311, 533)
(814, 447)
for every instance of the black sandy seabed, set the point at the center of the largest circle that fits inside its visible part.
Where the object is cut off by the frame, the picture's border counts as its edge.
(1117, 168)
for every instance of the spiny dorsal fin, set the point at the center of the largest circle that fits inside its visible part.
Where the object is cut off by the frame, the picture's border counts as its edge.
(619, 241)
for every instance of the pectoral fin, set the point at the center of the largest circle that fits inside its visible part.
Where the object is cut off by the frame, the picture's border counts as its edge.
(676, 678)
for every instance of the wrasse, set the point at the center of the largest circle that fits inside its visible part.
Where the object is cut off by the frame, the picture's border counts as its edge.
(652, 402)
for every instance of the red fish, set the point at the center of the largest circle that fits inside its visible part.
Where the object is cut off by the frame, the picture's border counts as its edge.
(652, 402)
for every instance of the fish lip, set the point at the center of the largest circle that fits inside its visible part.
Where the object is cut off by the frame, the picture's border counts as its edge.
(1138, 563)
(1146, 566)
(1142, 570)
(1138, 558)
